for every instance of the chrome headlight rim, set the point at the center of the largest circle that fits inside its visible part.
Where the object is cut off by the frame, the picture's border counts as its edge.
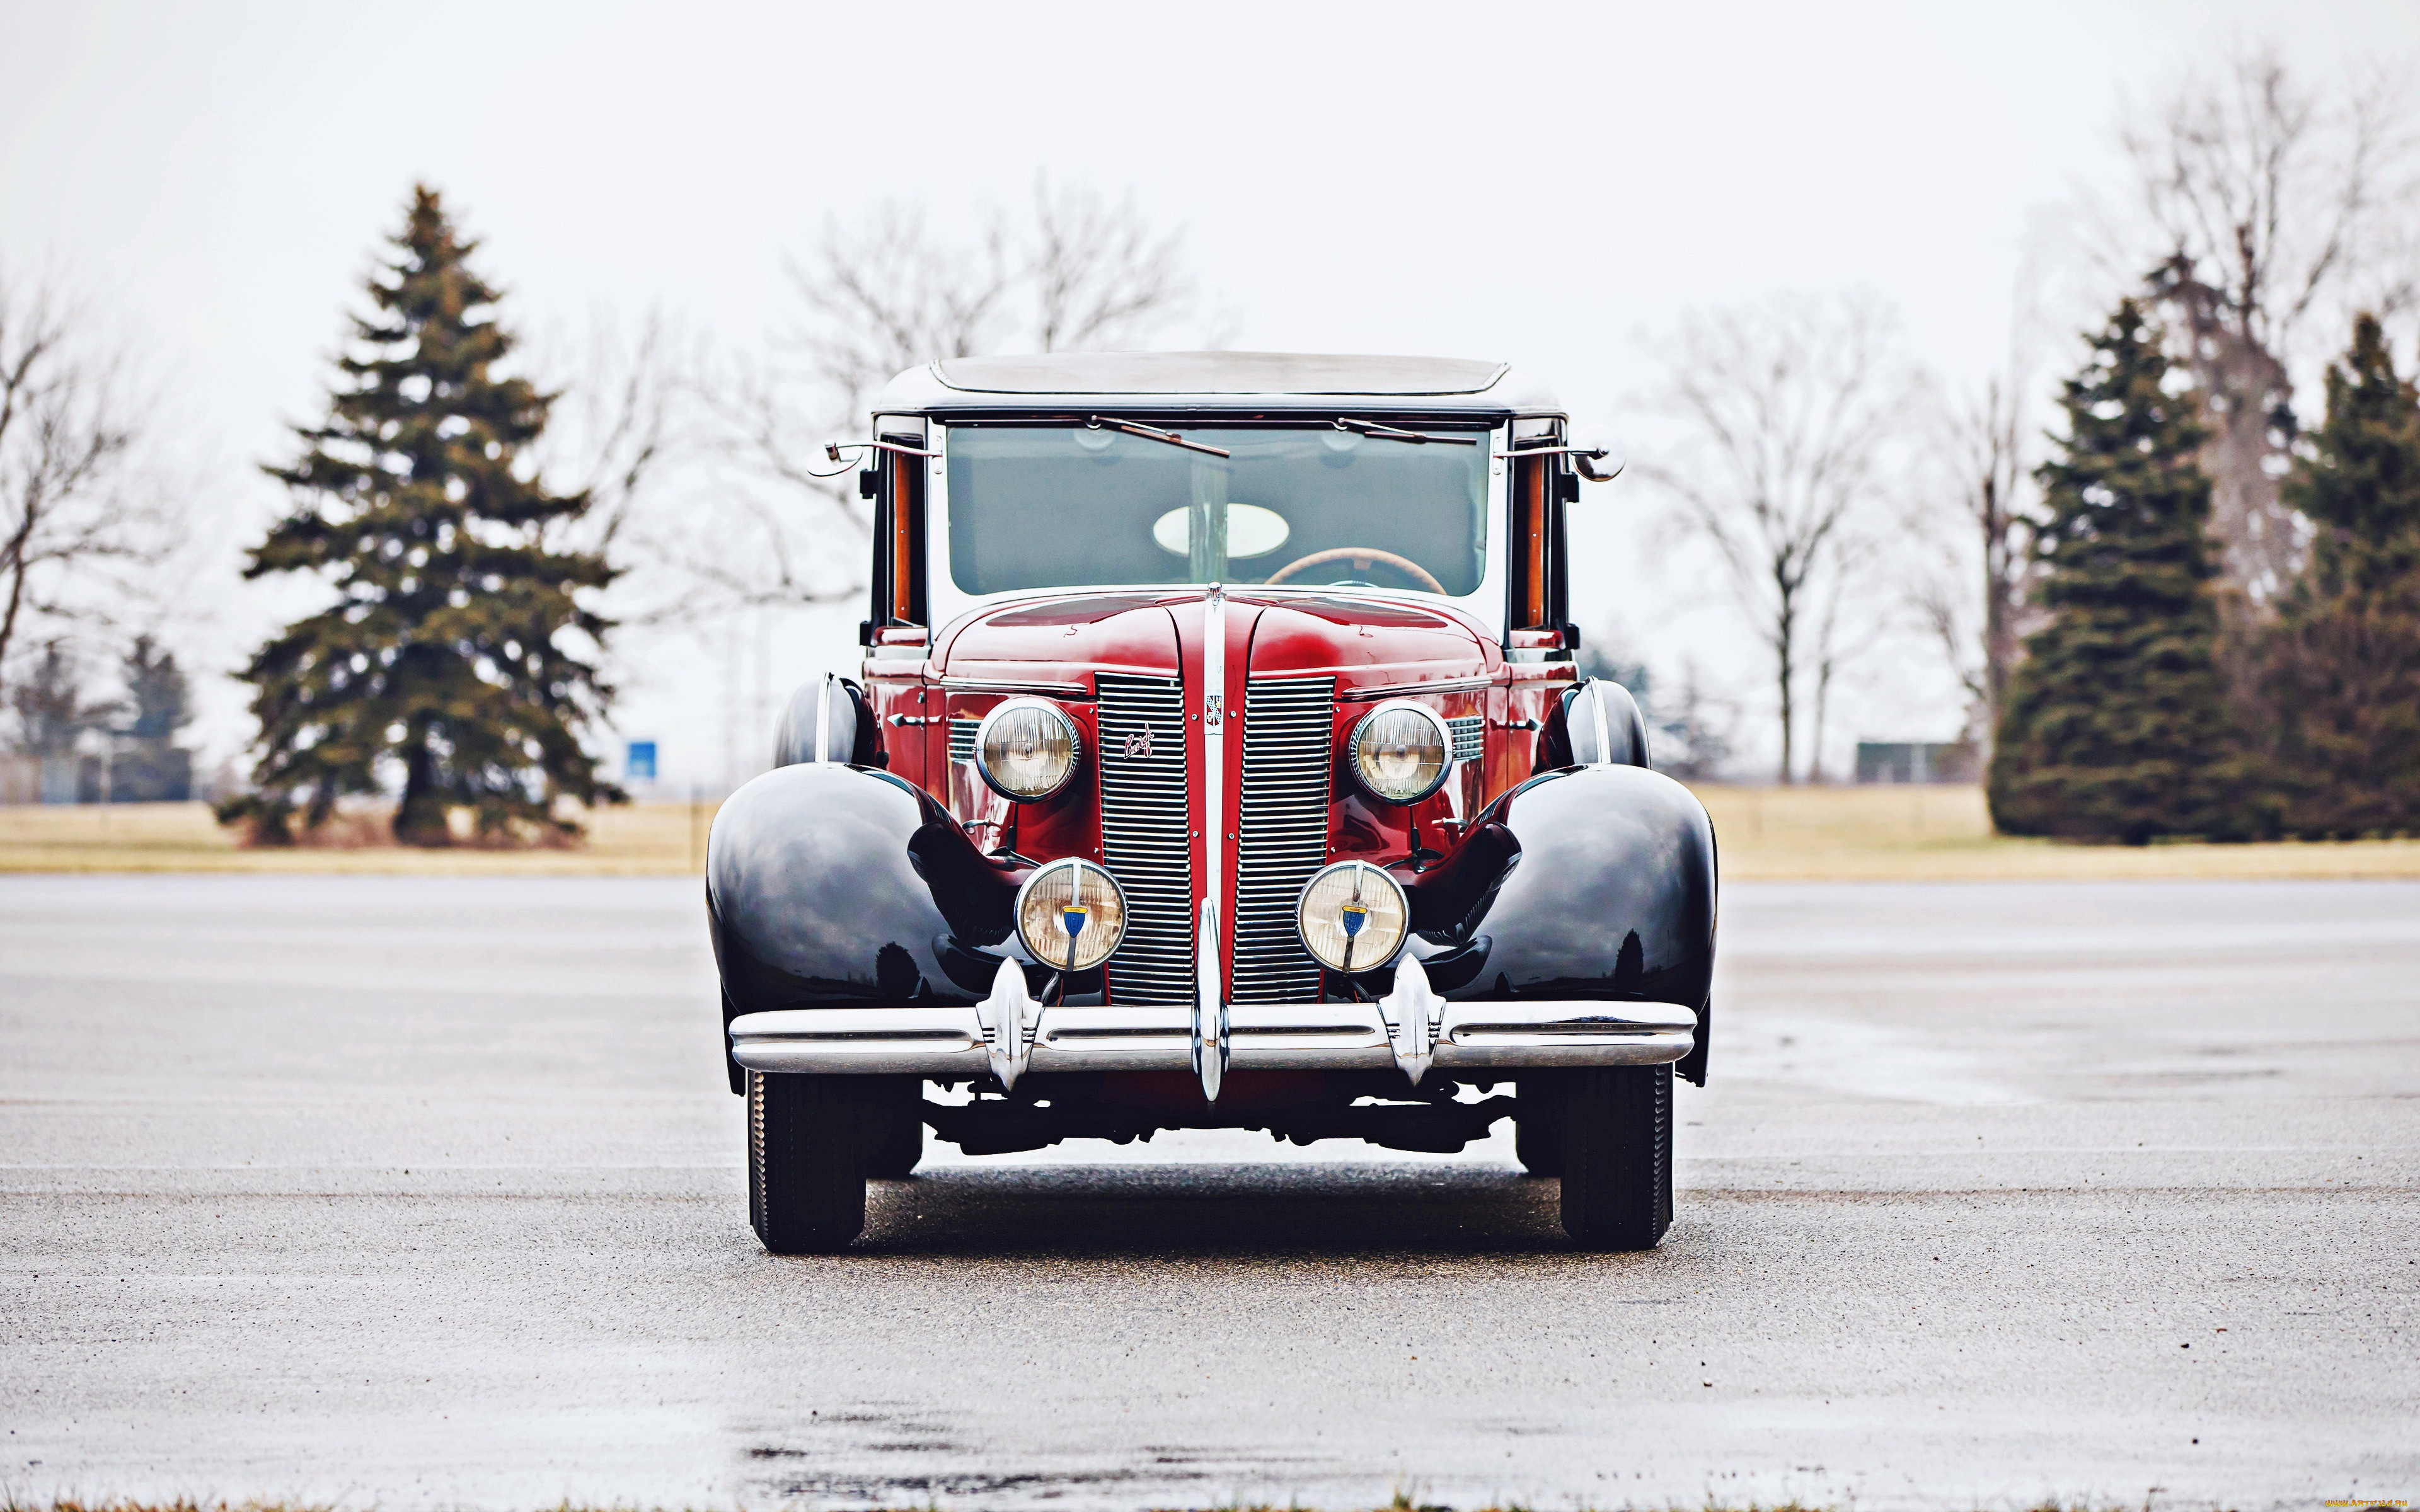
(1403, 905)
(982, 739)
(1368, 721)
(1099, 874)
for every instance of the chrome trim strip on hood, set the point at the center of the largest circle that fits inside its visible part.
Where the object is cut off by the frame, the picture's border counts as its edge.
(1061, 690)
(1442, 685)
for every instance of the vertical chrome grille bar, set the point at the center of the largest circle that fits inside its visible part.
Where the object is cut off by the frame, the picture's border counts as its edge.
(1209, 973)
(1146, 834)
(1282, 831)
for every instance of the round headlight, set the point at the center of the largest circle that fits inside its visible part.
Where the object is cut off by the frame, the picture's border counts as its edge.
(1352, 917)
(1402, 753)
(1026, 749)
(1071, 914)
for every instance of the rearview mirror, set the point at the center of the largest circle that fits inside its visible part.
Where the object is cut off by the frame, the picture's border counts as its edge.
(1598, 459)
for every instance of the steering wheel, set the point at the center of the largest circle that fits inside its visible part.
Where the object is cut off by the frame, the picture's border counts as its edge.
(1361, 556)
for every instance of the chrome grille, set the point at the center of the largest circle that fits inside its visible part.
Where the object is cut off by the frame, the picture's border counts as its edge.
(1146, 835)
(1469, 737)
(962, 739)
(1288, 734)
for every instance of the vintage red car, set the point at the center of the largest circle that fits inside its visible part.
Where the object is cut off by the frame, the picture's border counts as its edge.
(1219, 761)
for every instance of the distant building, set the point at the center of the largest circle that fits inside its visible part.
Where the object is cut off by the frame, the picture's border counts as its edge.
(134, 771)
(71, 777)
(1918, 761)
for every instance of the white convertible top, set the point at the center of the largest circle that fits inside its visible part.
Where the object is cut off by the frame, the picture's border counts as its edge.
(1225, 380)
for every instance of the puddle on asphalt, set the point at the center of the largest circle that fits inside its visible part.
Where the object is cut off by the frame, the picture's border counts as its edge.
(833, 1474)
(1864, 1059)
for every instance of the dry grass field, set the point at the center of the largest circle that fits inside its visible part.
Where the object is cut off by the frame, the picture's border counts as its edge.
(1879, 834)
(1923, 834)
(1403, 1502)
(638, 839)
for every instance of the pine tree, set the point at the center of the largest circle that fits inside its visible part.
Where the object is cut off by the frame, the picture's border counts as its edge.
(157, 694)
(146, 766)
(2116, 725)
(2340, 673)
(458, 656)
(52, 713)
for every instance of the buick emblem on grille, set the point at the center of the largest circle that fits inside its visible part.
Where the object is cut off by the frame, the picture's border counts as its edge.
(1139, 743)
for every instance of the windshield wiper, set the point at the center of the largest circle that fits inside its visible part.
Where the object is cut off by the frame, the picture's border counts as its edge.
(1371, 427)
(1147, 433)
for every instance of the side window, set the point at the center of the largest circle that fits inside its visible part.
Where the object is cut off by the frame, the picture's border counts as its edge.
(1541, 486)
(898, 484)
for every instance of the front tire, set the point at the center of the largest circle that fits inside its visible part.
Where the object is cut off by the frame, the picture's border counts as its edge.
(806, 1175)
(1616, 1148)
(1537, 1140)
(899, 1138)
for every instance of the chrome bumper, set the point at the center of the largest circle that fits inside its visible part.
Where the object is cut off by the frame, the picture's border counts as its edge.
(1411, 1029)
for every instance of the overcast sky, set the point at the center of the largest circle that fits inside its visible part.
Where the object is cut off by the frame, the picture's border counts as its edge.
(1537, 183)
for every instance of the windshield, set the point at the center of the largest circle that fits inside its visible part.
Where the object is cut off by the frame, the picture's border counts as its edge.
(1061, 507)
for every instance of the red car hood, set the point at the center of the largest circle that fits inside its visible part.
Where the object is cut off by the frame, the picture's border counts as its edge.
(1362, 641)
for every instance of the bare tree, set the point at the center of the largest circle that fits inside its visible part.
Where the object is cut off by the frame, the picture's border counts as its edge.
(1790, 406)
(77, 511)
(627, 420)
(1968, 589)
(2269, 198)
(1842, 634)
(1695, 745)
(882, 293)
(53, 713)
(1101, 275)
(627, 427)
(890, 292)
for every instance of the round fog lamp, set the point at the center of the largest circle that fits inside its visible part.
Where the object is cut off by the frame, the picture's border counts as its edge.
(1352, 917)
(1026, 749)
(1402, 753)
(1071, 914)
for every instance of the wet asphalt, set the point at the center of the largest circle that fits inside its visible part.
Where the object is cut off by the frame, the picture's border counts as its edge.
(427, 1193)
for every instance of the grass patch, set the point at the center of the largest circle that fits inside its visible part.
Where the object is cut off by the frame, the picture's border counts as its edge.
(1828, 834)
(635, 840)
(1922, 833)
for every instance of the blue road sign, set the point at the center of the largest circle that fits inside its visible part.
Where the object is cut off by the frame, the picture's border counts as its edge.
(639, 762)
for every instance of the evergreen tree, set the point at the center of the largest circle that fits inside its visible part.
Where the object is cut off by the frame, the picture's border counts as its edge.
(156, 693)
(2341, 670)
(145, 763)
(2116, 725)
(51, 714)
(453, 657)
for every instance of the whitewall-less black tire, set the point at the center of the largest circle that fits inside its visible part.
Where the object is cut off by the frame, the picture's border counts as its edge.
(806, 1172)
(898, 1136)
(1537, 1140)
(1615, 1125)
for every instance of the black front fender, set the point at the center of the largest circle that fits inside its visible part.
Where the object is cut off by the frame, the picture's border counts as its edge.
(836, 886)
(1606, 891)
